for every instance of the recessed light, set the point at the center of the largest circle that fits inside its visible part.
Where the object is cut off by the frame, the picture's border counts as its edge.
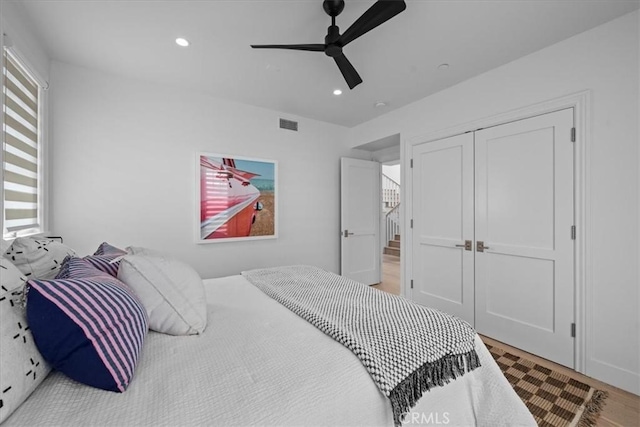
(337, 92)
(182, 42)
(443, 66)
(380, 104)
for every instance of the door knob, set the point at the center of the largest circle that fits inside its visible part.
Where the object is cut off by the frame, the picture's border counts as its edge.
(480, 247)
(347, 234)
(466, 246)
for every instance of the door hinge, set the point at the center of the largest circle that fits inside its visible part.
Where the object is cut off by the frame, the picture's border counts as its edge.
(573, 134)
(573, 330)
(411, 224)
(573, 232)
(411, 163)
(411, 283)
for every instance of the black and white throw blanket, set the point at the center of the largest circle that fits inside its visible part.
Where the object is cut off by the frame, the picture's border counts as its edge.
(406, 348)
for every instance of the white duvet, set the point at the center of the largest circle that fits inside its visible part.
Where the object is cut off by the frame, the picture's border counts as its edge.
(257, 363)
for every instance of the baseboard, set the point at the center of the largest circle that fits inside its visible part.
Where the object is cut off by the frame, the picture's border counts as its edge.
(617, 377)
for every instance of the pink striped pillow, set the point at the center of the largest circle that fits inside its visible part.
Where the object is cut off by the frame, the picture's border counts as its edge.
(90, 326)
(106, 263)
(107, 249)
(106, 258)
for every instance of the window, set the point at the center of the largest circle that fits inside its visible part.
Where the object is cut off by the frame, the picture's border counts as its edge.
(21, 152)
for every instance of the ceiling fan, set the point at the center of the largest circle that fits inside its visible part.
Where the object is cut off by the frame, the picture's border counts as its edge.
(379, 13)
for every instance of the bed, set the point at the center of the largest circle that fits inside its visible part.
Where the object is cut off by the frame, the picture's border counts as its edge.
(257, 363)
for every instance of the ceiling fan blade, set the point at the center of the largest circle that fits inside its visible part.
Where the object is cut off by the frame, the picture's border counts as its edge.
(348, 72)
(378, 14)
(310, 47)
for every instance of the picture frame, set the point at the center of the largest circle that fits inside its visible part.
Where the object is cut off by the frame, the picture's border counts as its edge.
(236, 198)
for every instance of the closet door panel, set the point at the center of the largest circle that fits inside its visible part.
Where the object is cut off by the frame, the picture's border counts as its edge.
(509, 284)
(442, 221)
(524, 283)
(519, 189)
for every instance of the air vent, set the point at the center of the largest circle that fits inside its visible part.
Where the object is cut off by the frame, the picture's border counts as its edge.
(288, 124)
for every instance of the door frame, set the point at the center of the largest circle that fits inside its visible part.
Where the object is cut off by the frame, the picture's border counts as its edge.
(581, 104)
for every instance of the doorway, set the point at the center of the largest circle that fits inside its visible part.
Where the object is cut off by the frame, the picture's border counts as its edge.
(391, 235)
(386, 151)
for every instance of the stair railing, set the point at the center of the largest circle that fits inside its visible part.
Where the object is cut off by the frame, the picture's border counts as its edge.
(392, 223)
(390, 192)
(391, 205)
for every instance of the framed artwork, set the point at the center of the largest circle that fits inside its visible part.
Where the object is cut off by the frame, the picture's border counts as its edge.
(237, 198)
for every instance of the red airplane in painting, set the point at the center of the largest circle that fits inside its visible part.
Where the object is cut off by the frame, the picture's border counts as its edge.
(228, 200)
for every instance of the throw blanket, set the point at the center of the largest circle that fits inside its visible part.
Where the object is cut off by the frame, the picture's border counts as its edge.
(406, 348)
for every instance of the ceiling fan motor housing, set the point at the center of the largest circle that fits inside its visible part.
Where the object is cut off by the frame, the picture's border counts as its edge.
(332, 49)
(333, 7)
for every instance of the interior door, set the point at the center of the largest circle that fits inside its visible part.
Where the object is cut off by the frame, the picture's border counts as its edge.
(524, 215)
(442, 268)
(360, 220)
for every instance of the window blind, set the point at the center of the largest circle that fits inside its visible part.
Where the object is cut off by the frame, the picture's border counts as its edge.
(20, 146)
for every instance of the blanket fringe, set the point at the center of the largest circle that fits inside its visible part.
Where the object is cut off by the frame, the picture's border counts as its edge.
(438, 373)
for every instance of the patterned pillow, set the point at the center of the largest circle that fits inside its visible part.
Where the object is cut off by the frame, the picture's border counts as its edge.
(22, 367)
(105, 263)
(107, 249)
(4, 246)
(38, 258)
(76, 267)
(90, 326)
(106, 258)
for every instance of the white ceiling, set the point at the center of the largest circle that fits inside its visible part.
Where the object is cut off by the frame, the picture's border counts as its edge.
(398, 61)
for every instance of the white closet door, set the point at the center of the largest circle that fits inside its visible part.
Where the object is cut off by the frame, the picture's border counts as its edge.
(442, 221)
(524, 284)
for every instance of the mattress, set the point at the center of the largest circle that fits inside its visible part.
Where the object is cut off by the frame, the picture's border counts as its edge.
(259, 364)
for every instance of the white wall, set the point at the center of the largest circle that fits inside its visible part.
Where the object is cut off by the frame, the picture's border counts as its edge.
(15, 23)
(387, 155)
(393, 172)
(605, 61)
(124, 171)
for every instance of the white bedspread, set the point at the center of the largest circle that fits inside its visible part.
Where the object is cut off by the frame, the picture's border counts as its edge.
(249, 368)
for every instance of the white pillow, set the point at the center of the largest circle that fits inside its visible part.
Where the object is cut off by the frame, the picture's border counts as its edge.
(170, 290)
(139, 250)
(4, 245)
(22, 368)
(38, 258)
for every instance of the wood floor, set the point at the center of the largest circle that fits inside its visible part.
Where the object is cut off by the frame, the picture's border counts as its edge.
(622, 409)
(390, 274)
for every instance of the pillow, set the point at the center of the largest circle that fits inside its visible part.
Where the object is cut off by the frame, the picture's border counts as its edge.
(137, 250)
(107, 249)
(90, 326)
(38, 258)
(170, 290)
(22, 368)
(74, 267)
(106, 258)
(105, 263)
(4, 245)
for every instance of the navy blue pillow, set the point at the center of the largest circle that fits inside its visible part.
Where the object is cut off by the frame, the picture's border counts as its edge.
(91, 328)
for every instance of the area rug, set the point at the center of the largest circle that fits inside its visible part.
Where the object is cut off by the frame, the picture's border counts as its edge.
(554, 399)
